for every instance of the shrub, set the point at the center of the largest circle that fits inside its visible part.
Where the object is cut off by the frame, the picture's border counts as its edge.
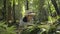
(4, 29)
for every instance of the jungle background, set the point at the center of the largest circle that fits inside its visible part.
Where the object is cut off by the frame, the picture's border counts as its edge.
(47, 19)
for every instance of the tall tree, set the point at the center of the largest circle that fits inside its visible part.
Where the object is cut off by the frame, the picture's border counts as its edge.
(56, 7)
(27, 6)
(14, 11)
(9, 13)
(4, 8)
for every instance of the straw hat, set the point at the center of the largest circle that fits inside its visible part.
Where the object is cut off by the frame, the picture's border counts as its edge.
(30, 13)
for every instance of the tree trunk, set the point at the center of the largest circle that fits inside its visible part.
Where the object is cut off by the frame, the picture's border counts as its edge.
(9, 13)
(56, 7)
(27, 6)
(14, 11)
(4, 10)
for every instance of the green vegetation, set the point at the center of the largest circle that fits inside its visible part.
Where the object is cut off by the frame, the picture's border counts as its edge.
(46, 20)
(4, 29)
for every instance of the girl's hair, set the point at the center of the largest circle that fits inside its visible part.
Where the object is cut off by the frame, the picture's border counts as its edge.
(25, 19)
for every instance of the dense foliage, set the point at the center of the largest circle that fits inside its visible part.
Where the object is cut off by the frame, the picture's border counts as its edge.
(46, 20)
(4, 29)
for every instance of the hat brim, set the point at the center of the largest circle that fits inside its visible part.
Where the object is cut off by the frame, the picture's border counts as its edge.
(31, 14)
